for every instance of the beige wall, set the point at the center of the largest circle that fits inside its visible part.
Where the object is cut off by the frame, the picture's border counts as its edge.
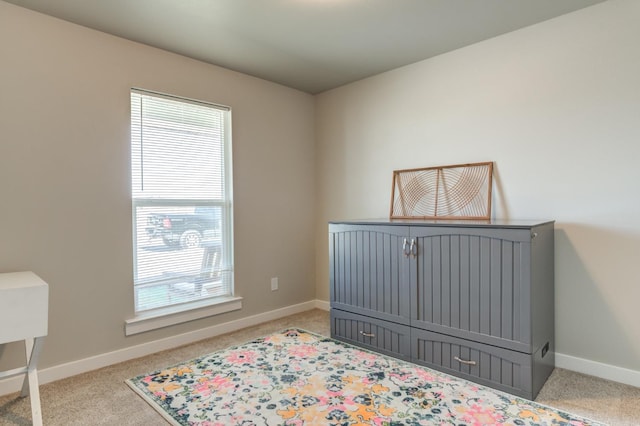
(65, 182)
(557, 107)
(554, 105)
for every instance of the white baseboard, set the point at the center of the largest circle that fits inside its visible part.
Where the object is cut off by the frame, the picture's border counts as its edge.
(598, 369)
(322, 304)
(50, 374)
(69, 369)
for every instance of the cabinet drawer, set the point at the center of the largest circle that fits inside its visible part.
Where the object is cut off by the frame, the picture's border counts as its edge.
(510, 371)
(378, 335)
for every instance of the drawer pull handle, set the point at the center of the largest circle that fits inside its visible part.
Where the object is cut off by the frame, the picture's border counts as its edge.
(463, 361)
(413, 249)
(367, 334)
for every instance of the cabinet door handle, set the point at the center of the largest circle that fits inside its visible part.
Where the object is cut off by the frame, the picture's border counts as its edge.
(464, 361)
(367, 334)
(404, 248)
(413, 250)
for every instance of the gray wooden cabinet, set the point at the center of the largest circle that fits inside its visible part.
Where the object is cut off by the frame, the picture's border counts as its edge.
(473, 299)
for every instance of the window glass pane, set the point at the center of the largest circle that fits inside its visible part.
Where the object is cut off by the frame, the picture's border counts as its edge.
(182, 227)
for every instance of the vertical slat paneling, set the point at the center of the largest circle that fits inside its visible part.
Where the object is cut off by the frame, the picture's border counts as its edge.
(446, 355)
(445, 280)
(525, 302)
(465, 307)
(350, 261)
(359, 269)
(388, 259)
(332, 266)
(384, 337)
(517, 383)
(428, 351)
(455, 281)
(474, 284)
(373, 276)
(507, 373)
(465, 353)
(366, 272)
(353, 268)
(426, 281)
(436, 279)
(517, 289)
(485, 365)
(507, 290)
(395, 276)
(502, 368)
(340, 258)
(485, 285)
(437, 353)
(496, 369)
(455, 351)
(495, 310)
(388, 338)
(353, 332)
(343, 267)
(474, 354)
(380, 271)
(469, 282)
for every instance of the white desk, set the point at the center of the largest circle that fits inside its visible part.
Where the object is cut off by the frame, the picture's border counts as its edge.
(24, 312)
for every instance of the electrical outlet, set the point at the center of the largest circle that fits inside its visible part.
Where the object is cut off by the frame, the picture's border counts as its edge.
(274, 284)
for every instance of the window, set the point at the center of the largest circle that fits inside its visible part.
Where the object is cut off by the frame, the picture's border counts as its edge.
(181, 195)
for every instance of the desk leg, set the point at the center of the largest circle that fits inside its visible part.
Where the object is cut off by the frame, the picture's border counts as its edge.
(30, 384)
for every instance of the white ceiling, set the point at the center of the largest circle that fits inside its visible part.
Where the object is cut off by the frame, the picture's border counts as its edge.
(311, 45)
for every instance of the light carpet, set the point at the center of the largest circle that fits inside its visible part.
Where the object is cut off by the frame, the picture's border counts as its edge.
(298, 378)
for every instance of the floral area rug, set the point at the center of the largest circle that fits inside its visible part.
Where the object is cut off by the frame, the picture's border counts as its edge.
(298, 378)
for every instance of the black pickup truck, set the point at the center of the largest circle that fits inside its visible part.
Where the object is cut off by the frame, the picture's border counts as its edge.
(185, 230)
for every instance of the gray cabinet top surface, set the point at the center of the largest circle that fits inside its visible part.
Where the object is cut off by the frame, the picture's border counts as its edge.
(497, 223)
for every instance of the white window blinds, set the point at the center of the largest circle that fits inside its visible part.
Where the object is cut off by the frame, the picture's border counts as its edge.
(180, 187)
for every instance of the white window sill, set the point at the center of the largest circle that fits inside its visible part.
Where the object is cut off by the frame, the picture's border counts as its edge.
(165, 317)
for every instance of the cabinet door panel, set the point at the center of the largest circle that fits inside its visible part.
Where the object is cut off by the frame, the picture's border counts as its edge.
(473, 285)
(369, 272)
(382, 336)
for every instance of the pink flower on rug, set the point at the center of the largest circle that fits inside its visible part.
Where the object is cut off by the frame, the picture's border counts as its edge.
(402, 377)
(380, 421)
(216, 383)
(365, 356)
(242, 357)
(477, 415)
(425, 375)
(337, 401)
(303, 351)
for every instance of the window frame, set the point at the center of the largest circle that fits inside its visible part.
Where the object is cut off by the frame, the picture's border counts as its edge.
(150, 319)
